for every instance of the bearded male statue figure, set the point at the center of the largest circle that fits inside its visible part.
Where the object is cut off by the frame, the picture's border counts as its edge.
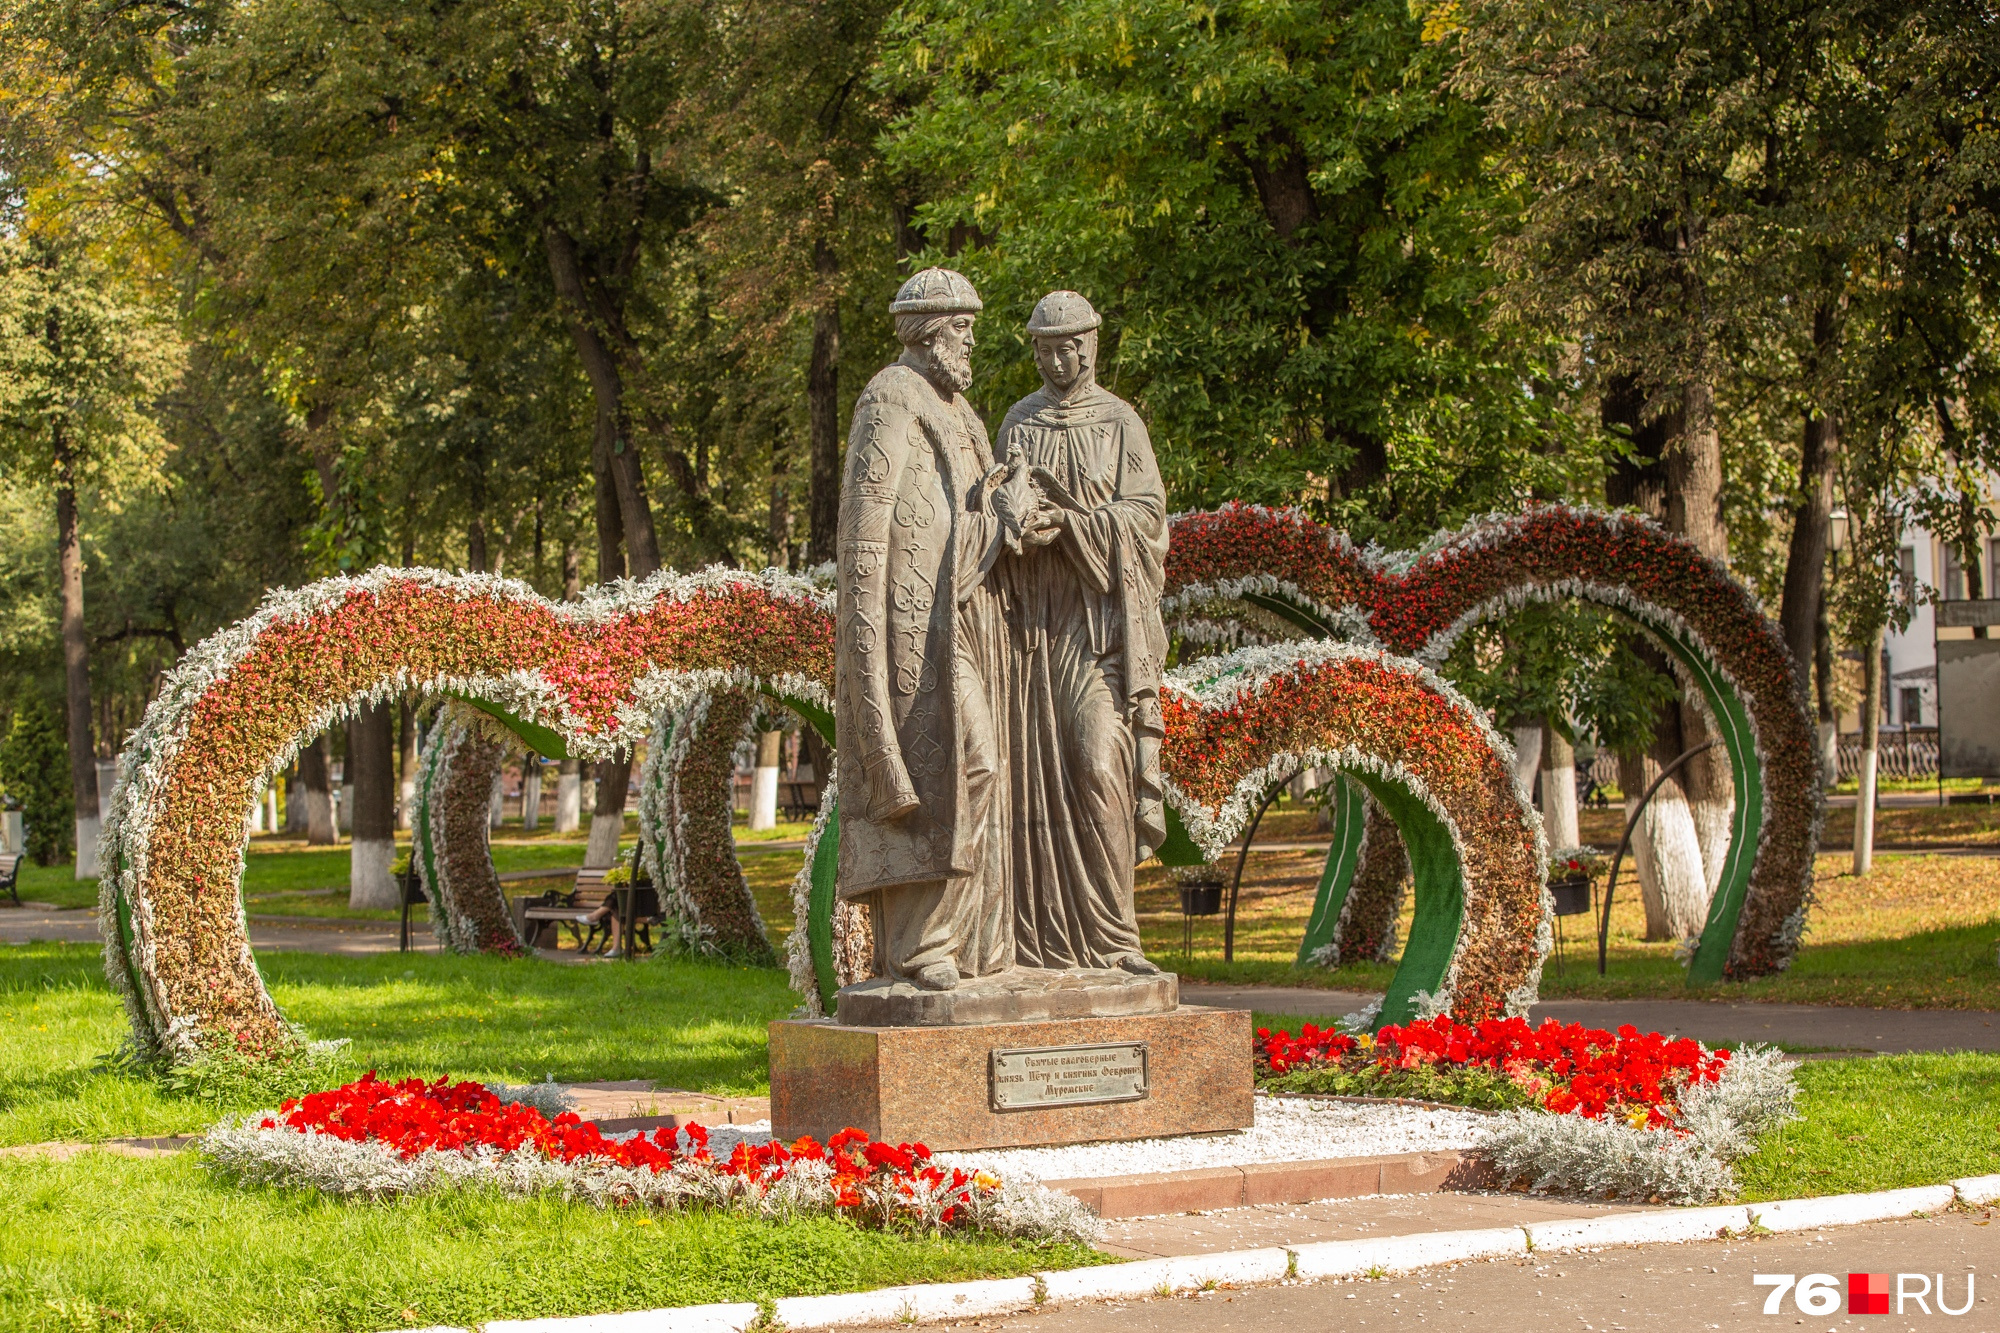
(920, 656)
(1087, 650)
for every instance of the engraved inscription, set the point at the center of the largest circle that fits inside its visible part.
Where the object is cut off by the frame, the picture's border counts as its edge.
(1068, 1075)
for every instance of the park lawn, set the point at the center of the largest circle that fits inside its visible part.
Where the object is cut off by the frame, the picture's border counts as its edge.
(107, 1242)
(283, 876)
(691, 1025)
(1882, 1123)
(1918, 933)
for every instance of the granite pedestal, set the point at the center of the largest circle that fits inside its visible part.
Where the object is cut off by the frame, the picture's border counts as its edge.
(1183, 1072)
(1018, 995)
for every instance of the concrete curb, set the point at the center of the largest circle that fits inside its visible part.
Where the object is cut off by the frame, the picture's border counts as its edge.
(1318, 1260)
(1840, 1210)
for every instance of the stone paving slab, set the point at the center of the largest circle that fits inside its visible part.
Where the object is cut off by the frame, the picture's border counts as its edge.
(1334, 1219)
(1835, 1026)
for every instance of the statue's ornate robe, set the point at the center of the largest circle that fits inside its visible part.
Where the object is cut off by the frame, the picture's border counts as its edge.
(1086, 651)
(918, 651)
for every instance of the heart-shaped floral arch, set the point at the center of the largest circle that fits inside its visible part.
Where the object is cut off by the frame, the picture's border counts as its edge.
(589, 678)
(1418, 603)
(592, 678)
(584, 678)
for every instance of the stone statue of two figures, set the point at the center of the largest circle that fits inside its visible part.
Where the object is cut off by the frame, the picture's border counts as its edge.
(999, 651)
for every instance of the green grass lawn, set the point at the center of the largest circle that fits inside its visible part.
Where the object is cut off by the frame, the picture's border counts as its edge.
(1883, 1123)
(685, 1025)
(104, 1242)
(109, 1242)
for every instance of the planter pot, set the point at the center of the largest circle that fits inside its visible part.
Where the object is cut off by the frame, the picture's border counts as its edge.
(1201, 899)
(1572, 895)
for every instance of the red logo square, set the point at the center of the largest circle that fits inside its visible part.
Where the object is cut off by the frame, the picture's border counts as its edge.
(1867, 1293)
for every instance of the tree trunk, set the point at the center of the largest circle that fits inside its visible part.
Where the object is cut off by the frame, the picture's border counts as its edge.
(614, 452)
(607, 817)
(823, 411)
(1805, 558)
(1829, 723)
(406, 764)
(1666, 853)
(315, 775)
(295, 803)
(531, 793)
(1871, 718)
(76, 660)
(1527, 738)
(1676, 477)
(1558, 789)
(569, 796)
(371, 764)
(764, 781)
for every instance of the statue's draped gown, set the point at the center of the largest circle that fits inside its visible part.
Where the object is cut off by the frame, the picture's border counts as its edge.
(1086, 648)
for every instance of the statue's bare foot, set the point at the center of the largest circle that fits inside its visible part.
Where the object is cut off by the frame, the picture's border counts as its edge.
(937, 976)
(1137, 965)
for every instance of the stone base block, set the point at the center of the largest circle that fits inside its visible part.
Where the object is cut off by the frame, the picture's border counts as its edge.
(936, 1085)
(1020, 995)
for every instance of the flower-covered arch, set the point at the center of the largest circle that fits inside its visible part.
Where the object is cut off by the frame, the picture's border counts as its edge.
(451, 829)
(685, 838)
(1419, 603)
(585, 678)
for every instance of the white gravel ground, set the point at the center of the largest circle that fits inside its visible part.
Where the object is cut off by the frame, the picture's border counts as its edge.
(1287, 1130)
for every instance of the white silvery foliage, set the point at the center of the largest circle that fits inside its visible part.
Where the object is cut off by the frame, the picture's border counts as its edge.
(550, 1098)
(153, 747)
(371, 1169)
(1426, 1005)
(1688, 1163)
(1361, 1020)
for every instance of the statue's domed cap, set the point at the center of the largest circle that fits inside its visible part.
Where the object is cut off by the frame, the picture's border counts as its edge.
(1060, 314)
(936, 291)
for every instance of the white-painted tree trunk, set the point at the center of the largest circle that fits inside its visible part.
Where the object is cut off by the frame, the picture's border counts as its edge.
(764, 781)
(271, 808)
(569, 797)
(1864, 816)
(253, 818)
(531, 795)
(1559, 806)
(1528, 756)
(496, 807)
(13, 837)
(1829, 754)
(1666, 852)
(344, 812)
(371, 880)
(1711, 833)
(406, 799)
(87, 828)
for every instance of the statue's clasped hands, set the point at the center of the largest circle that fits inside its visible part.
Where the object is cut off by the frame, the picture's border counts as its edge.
(1025, 513)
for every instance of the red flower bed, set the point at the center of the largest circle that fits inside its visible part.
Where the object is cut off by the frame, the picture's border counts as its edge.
(1635, 1076)
(414, 1117)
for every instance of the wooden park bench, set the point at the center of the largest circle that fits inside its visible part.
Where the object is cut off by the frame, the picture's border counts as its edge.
(10, 875)
(542, 916)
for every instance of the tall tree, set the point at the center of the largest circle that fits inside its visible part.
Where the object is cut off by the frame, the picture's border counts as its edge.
(84, 355)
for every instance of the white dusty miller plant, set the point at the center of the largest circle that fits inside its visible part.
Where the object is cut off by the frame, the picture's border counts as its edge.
(242, 1149)
(1688, 1162)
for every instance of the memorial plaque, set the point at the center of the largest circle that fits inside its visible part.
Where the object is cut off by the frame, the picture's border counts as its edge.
(1068, 1075)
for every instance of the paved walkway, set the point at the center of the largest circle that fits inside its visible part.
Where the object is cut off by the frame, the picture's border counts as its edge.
(1703, 1285)
(303, 934)
(1365, 1217)
(1831, 1026)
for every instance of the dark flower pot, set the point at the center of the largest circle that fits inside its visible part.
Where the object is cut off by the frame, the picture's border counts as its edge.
(1572, 895)
(1201, 899)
